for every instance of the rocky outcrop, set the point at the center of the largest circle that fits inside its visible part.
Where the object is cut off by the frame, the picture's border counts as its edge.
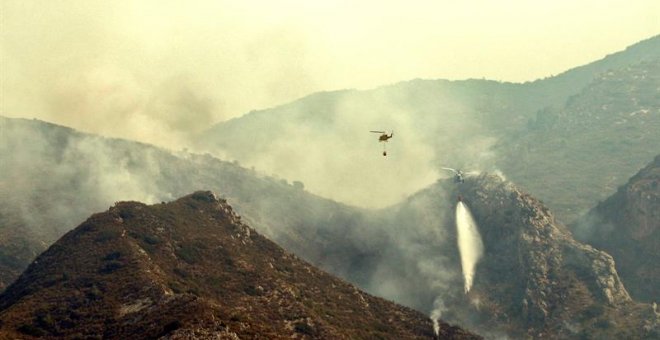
(535, 276)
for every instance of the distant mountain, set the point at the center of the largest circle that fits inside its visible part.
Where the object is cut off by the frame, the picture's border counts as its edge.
(574, 156)
(572, 81)
(627, 225)
(324, 140)
(191, 269)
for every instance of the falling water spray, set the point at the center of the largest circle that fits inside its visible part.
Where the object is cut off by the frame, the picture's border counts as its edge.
(470, 245)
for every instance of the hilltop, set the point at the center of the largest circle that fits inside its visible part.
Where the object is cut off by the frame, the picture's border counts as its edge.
(191, 268)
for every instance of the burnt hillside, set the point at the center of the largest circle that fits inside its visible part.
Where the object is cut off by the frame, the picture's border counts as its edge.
(190, 268)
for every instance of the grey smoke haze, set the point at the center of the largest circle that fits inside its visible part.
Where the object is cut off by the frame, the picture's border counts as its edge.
(148, 71)
(324, 141)
(156, 71)
(61, 177)
(56, 179)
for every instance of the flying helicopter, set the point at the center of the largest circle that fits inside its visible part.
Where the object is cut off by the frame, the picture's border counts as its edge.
(458, 175)
(383, 138)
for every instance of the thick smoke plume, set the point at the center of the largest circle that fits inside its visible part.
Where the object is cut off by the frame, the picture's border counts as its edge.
(470, 245)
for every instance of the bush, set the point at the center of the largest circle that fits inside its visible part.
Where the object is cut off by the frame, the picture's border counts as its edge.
(304, 328)
(110, 267)
(188, 253)
(30, 330)
(112, 256)
(106, 235)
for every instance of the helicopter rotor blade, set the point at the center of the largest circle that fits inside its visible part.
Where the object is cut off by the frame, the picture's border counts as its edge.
(450, 169)
(377, 131)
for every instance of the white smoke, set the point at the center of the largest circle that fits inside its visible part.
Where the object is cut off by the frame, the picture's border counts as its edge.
(436, 313)
(470, 245)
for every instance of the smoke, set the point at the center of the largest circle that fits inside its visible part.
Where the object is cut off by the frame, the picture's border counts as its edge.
(54, 177)
(149, 71)
(591, 226)
(160, 71)
(403, 253)
(470, 245)
(436, 313)
(324, 141)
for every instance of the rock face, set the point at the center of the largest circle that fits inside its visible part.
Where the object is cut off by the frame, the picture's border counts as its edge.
(627, 225)
(190, 269)
(537, 278)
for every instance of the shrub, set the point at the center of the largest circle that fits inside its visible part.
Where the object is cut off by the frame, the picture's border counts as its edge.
(30, 330)
(110, 267)
(112, 256)
(304, 328)
(188, 253)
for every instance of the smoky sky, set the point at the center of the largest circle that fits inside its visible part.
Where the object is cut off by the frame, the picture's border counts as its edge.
(157, 71)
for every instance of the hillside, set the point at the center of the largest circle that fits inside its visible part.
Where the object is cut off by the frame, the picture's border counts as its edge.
(18, 247)
(572, 81)
(191, 268)
(61, 176)
(627, 225)
(406, 253)
(578, 155)
(534, 279)
(324, 140)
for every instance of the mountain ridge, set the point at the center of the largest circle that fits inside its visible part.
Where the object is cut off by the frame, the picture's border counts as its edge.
(139, 270)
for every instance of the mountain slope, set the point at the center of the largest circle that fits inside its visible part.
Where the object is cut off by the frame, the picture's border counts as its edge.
(627, 225)
(190, 268)
(534, 280)
(577, 155)
(572, 81)
(61, 176)
(323, 139)
(18, 247)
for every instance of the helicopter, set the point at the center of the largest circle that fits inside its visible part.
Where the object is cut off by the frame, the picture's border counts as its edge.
(383, 138)
(458, 175)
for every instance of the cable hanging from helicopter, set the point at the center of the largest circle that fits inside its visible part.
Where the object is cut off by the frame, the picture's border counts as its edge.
(383, 138)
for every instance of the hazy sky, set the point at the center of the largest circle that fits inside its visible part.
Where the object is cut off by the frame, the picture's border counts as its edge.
(148, 69)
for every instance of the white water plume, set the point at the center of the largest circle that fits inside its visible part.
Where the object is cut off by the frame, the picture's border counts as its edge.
(470, 245)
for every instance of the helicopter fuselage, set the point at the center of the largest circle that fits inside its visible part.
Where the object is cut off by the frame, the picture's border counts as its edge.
(384, 137)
